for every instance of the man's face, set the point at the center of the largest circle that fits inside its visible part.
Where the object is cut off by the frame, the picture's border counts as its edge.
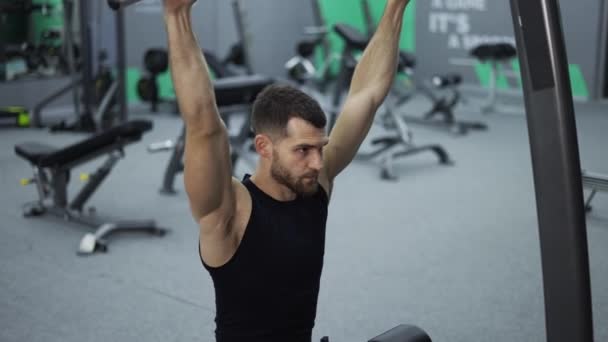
(298, 158)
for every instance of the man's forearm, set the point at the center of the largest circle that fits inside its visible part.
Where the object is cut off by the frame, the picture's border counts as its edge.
(378, 65)
(190, 73)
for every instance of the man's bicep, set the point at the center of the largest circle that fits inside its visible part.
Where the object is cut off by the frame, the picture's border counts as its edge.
(208, 173)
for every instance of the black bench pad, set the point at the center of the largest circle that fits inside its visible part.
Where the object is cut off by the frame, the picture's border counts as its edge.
(239, 90)
(43, 155)
(351, 36)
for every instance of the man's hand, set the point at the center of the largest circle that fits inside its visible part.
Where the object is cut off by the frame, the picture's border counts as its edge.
(173, 6)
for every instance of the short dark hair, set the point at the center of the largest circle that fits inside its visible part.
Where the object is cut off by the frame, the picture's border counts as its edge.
(278, 103)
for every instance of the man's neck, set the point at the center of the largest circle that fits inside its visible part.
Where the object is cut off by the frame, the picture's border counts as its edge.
(264, 181)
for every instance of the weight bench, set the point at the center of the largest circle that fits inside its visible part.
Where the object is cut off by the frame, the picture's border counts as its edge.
(234, 94)
(596, 182)
(52, 168)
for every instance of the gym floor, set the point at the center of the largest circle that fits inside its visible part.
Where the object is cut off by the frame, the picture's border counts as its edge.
(453, 249)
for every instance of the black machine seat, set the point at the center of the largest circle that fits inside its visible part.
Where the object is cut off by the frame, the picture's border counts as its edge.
(238, 90)
(306, 48)
(406, 60)
(351, 36)
(494, 52)
(43, 155)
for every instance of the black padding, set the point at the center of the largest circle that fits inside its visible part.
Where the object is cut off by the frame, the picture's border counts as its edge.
(406, 60)
(351, 36)
(216, 66)
(236, 55)
(306, 48)
(403, 333)
(34, 151)
(239, 90)
(156, 61)
(147, 89)
(45, 156)
(496, 52)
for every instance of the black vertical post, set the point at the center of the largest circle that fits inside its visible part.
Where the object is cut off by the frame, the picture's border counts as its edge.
(242, 33)
(557, 171)
(121, 63)
(86, 120)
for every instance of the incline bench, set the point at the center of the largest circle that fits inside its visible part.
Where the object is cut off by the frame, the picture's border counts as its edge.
(52, 168)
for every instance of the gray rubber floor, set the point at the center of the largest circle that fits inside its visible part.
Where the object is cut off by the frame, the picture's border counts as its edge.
(454, 249)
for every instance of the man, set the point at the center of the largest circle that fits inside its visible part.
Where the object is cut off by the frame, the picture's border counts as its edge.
(263, 239)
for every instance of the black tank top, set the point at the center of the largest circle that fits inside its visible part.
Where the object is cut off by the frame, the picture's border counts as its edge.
(268, 290)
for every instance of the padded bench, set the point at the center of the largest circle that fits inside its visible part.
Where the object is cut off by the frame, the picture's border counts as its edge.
(52, 168)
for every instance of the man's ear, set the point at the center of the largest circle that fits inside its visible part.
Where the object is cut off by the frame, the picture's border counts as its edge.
(263, 146)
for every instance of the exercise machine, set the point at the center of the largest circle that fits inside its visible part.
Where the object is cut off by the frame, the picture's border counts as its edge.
(396, 144)
(89, 108)
(557, 172)
(443, 94)
(313, 78)
(53, 171)
(156, 62)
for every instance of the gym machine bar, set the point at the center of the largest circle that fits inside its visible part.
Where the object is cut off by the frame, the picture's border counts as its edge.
(239, 18)
(121, 64)
(556, 168)
(87, 67)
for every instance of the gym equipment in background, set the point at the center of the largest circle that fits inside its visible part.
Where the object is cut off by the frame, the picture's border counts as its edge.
(233, 95)
(313, 78)
(498, 56)
(596, 182)
(90, 111)
(235, 91)
(443, 94)
(156, 62)
(52, 172)
(396, 144)
(14, 116)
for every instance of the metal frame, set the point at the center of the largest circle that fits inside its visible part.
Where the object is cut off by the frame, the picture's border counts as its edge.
(86, 118)
(556, 168)
(241, 29)
(602, 65)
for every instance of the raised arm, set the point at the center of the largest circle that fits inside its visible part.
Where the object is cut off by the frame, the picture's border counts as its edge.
(207, 166)
(372, 80)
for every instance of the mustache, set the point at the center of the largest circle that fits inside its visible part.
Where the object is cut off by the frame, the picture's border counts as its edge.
(311, 175)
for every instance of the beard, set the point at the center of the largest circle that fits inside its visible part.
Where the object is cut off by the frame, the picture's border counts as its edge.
(306, 185)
